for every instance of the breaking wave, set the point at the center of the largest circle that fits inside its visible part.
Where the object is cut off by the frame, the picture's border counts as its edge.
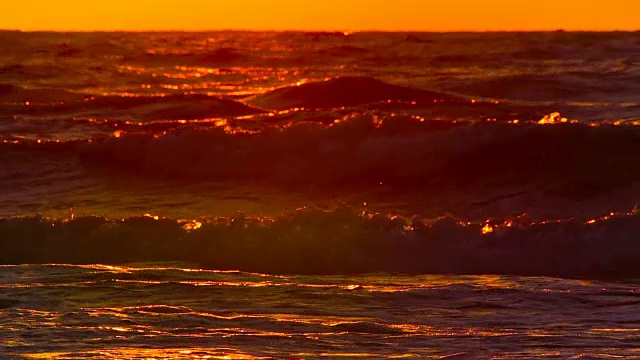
(339, 241)
(399, 151)
(83, 114)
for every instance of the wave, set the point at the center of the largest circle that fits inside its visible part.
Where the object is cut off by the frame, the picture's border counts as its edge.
(363, 152)
(220, 55)
(323, 35)
(570, 86)
(169, 107)
(10, 93)
(65, 50)
(345, 91)
(343, 50)
(401, 152)
(13, 69)
(339, 241)
(398, 163)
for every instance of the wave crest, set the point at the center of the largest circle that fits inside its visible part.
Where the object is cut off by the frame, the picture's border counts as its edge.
(339, 241)
(397, 151)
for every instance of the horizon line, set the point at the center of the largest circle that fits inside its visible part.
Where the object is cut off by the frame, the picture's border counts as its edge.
(344, 31)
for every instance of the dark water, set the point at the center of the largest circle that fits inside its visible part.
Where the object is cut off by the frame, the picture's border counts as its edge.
(334, 171)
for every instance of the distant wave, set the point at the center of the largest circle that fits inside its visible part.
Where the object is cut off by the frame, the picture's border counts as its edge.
(338, 241)
(171, 107)
(331, 94)
(68, 51)
(12, 68)
(220, 55)
(554, 87)
(322, 35)
(15, 94)
(343, 50)
(344, 91)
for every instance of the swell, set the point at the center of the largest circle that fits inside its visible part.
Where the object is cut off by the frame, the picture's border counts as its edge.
(332, 94)
(222, 55)
(569, 86)
(10, 93)
(169, 107)
(345, 91)
(340, 241)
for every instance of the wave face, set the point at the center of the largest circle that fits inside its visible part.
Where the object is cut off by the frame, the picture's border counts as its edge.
(38, 103)
(472, 127)
(337, 242)
(403, 153)
(345, 91)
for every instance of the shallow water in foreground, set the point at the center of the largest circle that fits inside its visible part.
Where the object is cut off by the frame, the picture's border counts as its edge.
(174, 311)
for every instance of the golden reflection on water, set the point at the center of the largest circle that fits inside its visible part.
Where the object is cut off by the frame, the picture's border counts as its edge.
(487, 229)
(368, 283)
(127, 322)
(147, 353)
(373, 284)
(617, 330)
(553, 118)
(409, 330)
(191, 226)
(248, 80)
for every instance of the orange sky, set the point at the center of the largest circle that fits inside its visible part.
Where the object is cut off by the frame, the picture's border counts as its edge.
(449, 15)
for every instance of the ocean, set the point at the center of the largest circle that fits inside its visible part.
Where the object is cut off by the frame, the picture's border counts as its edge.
(267, 195)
